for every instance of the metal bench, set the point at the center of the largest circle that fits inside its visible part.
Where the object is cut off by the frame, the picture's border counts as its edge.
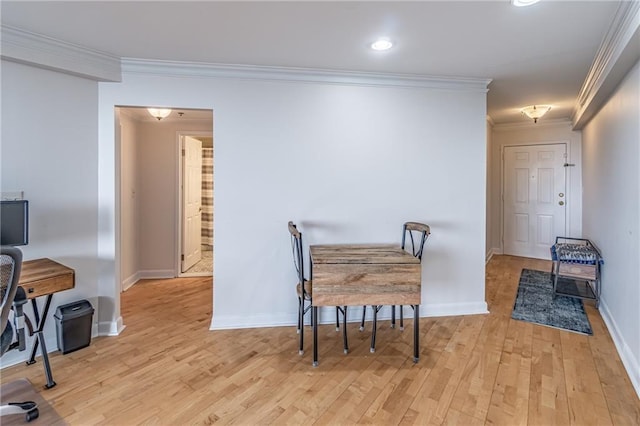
(576, 269)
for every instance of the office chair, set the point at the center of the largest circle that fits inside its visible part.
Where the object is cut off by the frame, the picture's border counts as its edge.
(13, 298)
(417, 246)
(304, 289)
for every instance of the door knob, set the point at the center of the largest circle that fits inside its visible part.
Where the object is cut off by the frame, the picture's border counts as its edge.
(561, 203)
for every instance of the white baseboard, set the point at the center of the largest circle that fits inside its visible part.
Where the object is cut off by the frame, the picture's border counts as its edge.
(15, 357)
(492, 251)
(630, 362)
(453, 309)
(127, 283)
(111, 328)
(156, 274)
(354, 314)
(51, 340)
(231, 322)
(488, 256)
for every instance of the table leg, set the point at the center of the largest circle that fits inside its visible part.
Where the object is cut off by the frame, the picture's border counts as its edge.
(374, 328)
(36, 316)
(314, 316)
(416, 333)
(344, 330)
(40, 322)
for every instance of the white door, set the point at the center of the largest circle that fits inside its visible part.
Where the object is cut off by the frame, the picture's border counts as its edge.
(192, 202)
(534, 198)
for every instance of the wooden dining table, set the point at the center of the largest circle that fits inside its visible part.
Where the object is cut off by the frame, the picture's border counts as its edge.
(364, 274)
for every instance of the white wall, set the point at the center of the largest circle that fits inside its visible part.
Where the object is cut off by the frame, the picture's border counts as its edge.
(611, 214)
(347, 163)
(50, 151)
(488, 248)
(129, 201)
(534, 134)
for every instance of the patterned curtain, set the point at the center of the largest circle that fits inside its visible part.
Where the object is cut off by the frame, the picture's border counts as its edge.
(207, 197)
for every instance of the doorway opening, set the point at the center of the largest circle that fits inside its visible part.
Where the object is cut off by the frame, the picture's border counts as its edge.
(149, 179)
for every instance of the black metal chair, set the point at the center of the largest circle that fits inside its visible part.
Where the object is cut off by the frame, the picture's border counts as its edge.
(421, 232)
(304, 289)
(13, 298)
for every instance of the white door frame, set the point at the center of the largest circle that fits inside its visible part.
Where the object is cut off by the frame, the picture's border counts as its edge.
(568, 183)
(179, 199)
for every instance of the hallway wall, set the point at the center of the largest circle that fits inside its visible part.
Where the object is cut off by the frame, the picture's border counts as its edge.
(612, 213)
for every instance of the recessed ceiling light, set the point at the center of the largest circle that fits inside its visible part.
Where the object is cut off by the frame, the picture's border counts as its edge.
(381, 44)
(521, 3)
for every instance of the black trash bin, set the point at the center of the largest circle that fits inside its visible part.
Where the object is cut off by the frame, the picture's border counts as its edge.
(73, 325)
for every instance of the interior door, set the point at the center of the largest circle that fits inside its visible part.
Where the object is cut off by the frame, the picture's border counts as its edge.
(192, 202)
(534, 198)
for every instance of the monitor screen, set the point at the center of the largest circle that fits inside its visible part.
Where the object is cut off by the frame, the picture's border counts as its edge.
(14, 223)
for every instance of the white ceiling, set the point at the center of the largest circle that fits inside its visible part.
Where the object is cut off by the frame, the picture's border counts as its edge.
(535, 55)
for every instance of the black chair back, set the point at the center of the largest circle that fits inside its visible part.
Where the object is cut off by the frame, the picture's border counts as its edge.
(421, 232)
(298, 259)
(10, 267)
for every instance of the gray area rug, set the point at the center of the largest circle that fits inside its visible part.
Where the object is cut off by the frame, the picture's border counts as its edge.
(535, 303)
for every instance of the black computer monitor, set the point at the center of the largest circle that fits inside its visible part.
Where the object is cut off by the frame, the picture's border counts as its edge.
(14, 223)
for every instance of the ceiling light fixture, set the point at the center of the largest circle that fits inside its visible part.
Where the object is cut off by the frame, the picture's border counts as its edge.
(381, 44)
(159, 113)
(522, 3)
(535, 111)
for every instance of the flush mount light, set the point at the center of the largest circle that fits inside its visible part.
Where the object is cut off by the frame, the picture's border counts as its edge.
(381, 44)
(159, 113)
(521, 3)
(535, 111)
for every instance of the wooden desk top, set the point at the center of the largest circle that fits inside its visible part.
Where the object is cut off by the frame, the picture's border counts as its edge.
(360, 253)
(41, 277)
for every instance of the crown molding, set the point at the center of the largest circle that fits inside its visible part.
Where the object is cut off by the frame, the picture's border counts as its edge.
(45, 52)
(529, 124)
(490, 121)
(617, 53)
(34, 49)
(304, 75)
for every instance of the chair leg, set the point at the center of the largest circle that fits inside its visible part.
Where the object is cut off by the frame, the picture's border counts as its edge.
(393, 316)
(374, 328)
(416, 333)
(299, 316)
(337, 318)
(301, 322)
(364, 313)
(555, 271)
(401, 318)
(344, 330)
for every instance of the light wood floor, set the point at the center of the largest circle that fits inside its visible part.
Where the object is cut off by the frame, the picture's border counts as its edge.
(166, 367)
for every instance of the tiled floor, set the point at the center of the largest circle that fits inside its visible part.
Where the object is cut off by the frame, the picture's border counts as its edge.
(205, 266)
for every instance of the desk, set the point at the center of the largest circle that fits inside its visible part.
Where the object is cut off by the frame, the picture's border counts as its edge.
(364, 274)
(44, 277)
